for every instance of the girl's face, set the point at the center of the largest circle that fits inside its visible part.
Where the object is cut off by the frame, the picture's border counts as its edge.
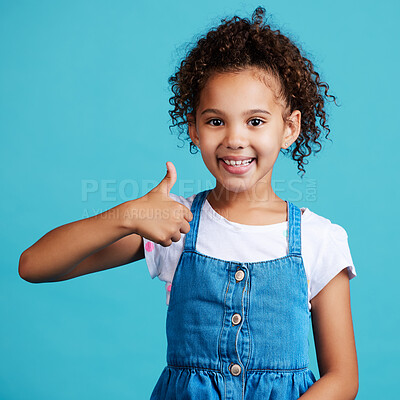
(240, 118)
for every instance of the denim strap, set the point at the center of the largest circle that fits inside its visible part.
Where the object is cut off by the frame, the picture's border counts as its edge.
(294, 218)
(191, 236)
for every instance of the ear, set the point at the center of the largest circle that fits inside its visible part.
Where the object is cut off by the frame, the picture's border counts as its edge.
(192, 129)
(292, 129)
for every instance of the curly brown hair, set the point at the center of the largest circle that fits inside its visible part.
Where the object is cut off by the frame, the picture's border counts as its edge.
(239, 43)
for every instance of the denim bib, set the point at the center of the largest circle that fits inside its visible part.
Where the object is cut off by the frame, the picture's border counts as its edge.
(237, 330)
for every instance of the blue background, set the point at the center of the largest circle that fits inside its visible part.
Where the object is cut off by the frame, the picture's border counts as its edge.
(84, 104)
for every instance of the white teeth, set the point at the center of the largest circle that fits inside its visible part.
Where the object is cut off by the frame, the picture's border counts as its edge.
(236, 163)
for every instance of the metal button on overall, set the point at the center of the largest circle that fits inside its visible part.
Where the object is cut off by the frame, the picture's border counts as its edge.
(235, 369)
(239, 275)
(236, 318)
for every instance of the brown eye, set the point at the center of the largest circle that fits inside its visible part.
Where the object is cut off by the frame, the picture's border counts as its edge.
(214, 119)
(257, 119)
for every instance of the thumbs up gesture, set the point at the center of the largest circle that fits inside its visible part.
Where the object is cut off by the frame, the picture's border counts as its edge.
(158, 217)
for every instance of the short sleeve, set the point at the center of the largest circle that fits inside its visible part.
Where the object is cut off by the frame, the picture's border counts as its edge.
(334, 257)
(162, 260)
(154, 256)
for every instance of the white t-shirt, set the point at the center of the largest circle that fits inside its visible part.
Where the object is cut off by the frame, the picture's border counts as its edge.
(324, 246)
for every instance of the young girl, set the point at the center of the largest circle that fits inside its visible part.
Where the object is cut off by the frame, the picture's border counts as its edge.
(244, 269)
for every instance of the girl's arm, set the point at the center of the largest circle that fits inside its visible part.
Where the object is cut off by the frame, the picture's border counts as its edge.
(89, 245)
(334, 342)
(109, 239)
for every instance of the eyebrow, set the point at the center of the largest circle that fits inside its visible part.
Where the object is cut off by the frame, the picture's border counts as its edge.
(253, 111)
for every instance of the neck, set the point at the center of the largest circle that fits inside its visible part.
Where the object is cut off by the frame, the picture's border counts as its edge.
(258, 196)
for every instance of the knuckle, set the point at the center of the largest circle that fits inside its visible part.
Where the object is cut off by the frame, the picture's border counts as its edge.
(165, 238)
(179, 212)
(166, 243)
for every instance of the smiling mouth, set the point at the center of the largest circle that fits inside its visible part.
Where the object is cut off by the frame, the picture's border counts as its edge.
(233, 163)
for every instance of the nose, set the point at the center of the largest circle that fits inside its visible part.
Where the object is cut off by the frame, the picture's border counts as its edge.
(235, 138)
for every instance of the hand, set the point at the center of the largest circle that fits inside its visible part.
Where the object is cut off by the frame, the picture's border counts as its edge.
(159, 218)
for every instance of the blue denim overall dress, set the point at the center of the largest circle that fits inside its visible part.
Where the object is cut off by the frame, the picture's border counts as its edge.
(237, 330)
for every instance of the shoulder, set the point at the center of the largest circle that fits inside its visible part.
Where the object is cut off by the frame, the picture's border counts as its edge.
(321, 228)
(325, 250)
(324, 242)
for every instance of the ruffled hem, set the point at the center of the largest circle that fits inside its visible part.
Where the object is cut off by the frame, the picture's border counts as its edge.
(192, 383)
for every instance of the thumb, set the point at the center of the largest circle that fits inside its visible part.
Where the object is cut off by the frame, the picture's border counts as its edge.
(169, 180)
